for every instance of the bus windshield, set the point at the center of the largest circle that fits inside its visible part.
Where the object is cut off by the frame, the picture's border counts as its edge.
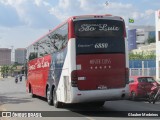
(99, 36)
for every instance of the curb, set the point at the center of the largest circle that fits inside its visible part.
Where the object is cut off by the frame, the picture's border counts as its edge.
(5, 78)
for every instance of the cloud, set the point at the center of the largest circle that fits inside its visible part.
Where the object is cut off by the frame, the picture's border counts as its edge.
(27, 20)
(33, 13)
(66, 8)
(8, 16)
(19, 36)
(47, 14)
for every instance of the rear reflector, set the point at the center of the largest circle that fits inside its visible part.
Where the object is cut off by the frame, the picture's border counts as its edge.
(79, 67)
(81, 78)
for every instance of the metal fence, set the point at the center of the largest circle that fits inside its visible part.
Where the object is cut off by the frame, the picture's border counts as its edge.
(142, 71)
(142, 63)
(142, 67)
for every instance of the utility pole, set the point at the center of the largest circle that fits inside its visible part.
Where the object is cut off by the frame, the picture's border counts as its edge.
(12, 53)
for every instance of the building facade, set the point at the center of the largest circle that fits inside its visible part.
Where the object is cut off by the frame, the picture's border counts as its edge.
(20, 55)
(157, 18)
(5, 56)
(139, 35)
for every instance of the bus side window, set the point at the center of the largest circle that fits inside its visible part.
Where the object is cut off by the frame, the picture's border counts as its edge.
(32, 56)
(131, 80)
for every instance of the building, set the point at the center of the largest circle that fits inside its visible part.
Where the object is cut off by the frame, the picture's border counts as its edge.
(5, 56)
(20, 55)
(139, 35)
(141, 40)
(157, 18)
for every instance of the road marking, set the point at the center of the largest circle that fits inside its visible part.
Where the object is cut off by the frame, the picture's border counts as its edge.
(90, 118)
(151, 103)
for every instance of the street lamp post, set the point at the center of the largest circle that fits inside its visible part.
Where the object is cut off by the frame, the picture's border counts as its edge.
(12, 53)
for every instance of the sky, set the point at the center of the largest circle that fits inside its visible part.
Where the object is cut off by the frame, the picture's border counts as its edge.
(24, 21)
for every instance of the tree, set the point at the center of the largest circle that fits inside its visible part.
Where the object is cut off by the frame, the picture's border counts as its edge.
(13, 68)
(151, 40)
(142, 56)
(4, 70)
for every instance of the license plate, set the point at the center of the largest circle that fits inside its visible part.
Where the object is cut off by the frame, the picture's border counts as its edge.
(102, 87)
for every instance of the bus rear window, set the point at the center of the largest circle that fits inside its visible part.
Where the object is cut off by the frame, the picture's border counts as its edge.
(99, 28)
(100, 45)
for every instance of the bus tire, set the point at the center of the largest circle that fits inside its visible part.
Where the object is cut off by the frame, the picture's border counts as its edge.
(133, 95)
(32, 95)
(49, 97)
(56, 103)
(155, 98)
(96, 104)
(99, 104)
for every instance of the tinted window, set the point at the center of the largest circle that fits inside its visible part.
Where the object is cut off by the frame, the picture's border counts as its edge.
(131, 80)
(146, 79)
(100, 45)
(99, 28)
(53, 42)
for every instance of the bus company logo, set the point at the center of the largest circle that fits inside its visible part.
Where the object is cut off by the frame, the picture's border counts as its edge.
(87, 27)
(41, 63)
(99, 27)
(100, 61)
(101, 45)
(31, 67)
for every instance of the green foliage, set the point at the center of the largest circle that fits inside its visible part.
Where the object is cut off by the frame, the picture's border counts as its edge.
(142, 56)
(151, 40)
(5, 69)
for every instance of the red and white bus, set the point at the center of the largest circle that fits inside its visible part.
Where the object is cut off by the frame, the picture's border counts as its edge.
(82, 60)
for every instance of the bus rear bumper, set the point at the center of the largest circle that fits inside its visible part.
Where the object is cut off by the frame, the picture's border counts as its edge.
(99, 95)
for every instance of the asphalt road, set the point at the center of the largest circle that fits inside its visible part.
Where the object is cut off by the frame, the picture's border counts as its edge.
(13, 97)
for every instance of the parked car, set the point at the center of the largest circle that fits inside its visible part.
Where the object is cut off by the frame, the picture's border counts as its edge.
(140, 86)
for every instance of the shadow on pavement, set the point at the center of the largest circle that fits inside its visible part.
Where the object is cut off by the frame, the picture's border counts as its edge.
(12, 100)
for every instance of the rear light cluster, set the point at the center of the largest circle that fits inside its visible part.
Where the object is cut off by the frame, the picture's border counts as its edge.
(74, 78)
(127, 75)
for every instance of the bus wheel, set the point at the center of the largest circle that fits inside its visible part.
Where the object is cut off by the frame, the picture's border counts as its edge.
(49, 97)
(56, 103)
(99, 104)
(32, 95)
(133, 96)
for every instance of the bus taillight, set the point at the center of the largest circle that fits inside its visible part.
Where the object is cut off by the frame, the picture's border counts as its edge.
(74, 78)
